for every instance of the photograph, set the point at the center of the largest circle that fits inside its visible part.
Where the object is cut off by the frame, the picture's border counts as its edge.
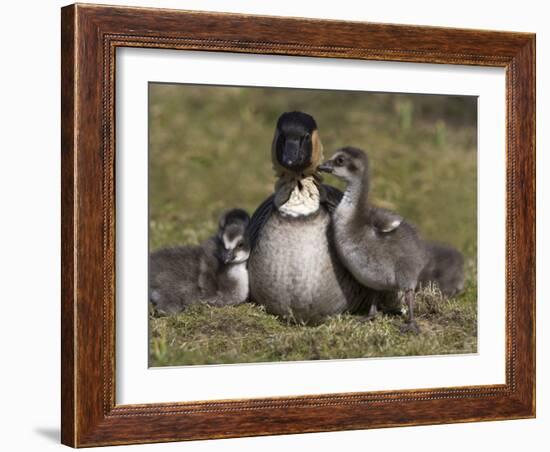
(287, 224)
(294, 224)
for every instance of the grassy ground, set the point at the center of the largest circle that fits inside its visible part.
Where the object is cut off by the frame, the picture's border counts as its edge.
(210, 150)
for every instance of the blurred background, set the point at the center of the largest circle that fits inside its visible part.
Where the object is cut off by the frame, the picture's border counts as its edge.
(210, 150)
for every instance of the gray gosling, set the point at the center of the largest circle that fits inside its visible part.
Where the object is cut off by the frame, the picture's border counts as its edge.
(379, 248)
(213, 273)
(445, 268)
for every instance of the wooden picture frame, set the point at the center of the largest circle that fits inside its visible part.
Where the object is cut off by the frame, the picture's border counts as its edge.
(90, 36)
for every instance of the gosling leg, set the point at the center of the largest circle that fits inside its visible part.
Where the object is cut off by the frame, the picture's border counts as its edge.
(410, 325)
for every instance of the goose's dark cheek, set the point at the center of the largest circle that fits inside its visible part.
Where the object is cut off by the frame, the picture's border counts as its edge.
(279, 147)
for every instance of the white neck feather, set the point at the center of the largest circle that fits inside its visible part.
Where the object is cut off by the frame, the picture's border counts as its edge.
(297, 198)
(239, 274)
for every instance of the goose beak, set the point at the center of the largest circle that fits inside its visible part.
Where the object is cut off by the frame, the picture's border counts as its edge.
(293, 156)
(326, 167)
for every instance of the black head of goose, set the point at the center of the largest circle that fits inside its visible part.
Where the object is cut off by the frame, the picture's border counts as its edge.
(293, 268)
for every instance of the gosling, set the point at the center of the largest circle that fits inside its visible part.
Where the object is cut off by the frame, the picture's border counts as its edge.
(445, 268)
(379, 248)
(213, 273)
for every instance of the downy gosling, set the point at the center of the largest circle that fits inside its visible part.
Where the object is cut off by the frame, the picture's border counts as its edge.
(213, 273)
(445, 268)
(379, 248)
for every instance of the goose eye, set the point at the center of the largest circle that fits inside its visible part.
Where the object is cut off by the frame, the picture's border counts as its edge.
(339, 161)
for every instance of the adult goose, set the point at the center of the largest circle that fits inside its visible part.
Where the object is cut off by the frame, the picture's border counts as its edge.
(294, 270)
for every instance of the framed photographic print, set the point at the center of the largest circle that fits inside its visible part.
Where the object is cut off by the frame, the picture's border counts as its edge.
(281, 225)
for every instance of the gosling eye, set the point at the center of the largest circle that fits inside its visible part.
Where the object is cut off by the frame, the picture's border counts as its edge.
(339, 161)
(240, 245)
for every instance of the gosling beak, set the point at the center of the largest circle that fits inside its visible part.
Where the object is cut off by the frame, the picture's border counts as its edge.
(226, 256)
(326, 167)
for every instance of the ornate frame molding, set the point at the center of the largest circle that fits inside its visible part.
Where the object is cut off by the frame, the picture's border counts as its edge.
(90, 37)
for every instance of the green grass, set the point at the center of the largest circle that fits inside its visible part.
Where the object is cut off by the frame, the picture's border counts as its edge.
(210, 150)
(246, 333)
